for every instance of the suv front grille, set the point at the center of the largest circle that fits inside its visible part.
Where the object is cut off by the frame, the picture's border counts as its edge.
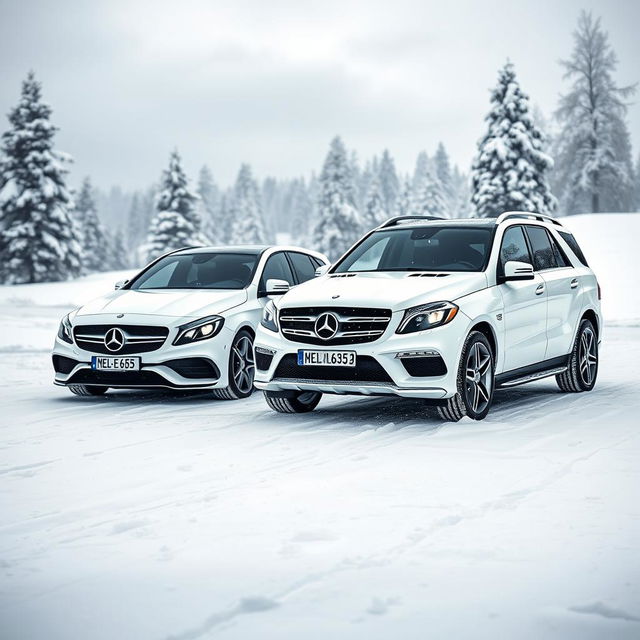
(367, 369)
(356, 325)
(138, 338)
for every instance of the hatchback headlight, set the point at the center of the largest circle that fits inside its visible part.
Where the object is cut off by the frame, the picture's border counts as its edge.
(270, 317)
(202, 329)
(427, 316)
(65, 331)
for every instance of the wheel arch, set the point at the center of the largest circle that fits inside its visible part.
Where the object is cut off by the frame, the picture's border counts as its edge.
(489, 333)
(592, 316)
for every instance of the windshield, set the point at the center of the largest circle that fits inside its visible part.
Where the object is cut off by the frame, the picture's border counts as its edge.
(199, 271)
(424, 249)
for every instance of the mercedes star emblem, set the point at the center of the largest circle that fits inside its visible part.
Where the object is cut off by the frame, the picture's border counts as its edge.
(114, 339)
(326, 326)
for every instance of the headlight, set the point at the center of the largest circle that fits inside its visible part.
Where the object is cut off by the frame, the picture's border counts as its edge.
(202, 329)
(427, 316)
(64, 330)
(270, 317)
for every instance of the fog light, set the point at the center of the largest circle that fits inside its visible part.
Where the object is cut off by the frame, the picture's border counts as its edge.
(428, 353)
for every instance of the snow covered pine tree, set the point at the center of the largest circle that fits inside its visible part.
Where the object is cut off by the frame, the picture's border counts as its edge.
(174, 225)
(594, 167)
(38, 237)
(95, 243)
(430, 200)
(339, 224)
(374, 210)
(248, 226)
(509, 172)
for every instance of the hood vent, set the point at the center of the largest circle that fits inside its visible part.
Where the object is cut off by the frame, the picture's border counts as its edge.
(343, 275)
(427, 275)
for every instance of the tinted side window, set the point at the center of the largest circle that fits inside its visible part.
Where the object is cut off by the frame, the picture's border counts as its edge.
(302, 265)
(561, 259)
(543, 257)
(514, 247)
(277, 267)
(574, 246)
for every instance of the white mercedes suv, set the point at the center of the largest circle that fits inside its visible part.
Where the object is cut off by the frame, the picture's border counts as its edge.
(186, 321)
(446, 310)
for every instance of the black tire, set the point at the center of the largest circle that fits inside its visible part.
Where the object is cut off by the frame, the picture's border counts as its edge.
(87, 390)
(474, 392)
(241, 369)
(582, 370)
(302, 402)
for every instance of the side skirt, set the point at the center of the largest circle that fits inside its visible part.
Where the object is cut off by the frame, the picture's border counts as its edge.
(532, 372)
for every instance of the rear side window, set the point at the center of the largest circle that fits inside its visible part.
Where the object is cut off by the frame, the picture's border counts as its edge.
(543, 256)
(561, 258)
(514, 247)
(574, 246)
(302, 265)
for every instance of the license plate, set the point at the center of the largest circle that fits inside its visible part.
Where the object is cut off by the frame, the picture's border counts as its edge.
(113, 363)
(327, 358)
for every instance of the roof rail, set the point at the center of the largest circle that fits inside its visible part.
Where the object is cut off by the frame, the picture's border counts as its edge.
(393, 221)
(540, 217)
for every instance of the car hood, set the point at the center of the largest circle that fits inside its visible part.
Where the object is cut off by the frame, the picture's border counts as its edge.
(178, 303)
(390, 290)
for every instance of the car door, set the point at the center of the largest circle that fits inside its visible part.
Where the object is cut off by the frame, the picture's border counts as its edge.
(525, 306)
(562, 284)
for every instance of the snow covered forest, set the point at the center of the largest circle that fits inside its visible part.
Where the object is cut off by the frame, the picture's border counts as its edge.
(55, 225)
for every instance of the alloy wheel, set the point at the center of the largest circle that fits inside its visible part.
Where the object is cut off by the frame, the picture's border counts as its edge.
(478, 377)
(243, 365)
(588, 356)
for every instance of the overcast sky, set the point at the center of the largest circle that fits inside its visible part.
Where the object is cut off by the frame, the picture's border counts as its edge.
(270, 83)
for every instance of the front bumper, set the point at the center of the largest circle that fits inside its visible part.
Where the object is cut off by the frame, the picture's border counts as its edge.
(447, 341)
(155, 370)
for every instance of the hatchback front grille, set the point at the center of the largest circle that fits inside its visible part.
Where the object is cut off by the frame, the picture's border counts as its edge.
(355, 325)
(137, 338)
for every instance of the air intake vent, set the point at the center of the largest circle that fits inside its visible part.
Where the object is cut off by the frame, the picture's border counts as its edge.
(427, 275)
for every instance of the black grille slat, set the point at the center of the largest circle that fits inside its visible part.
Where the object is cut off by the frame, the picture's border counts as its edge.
(425, 367)
(136, 332)
(370, 322)
(367, 369)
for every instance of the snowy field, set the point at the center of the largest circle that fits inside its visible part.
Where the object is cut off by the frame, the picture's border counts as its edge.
(155, 516)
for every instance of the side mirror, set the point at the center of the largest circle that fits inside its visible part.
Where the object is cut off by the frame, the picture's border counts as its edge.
(320, 271)
(120, 284)
(514, 270)
(276, 287)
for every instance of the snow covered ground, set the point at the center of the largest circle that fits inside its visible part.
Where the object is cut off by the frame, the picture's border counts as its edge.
(155, 515)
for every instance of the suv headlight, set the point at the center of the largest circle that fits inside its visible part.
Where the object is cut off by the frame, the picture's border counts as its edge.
(427, 316)
(65, 331)
(270, 317)
(202, 329)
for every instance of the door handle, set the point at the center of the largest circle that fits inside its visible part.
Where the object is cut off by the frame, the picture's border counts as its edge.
(574, 283)
(540, 289)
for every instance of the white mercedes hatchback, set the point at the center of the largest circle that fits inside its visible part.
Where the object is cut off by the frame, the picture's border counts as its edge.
(446, 310)
(186, 321)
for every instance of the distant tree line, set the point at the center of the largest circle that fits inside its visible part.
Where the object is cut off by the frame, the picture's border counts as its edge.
(581, 162)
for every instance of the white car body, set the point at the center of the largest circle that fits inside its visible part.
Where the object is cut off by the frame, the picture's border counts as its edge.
(139, 313)
(531, 324)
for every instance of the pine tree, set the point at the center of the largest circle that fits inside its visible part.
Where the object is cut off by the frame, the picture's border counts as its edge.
(374, 210)
(136, 227)
(509, 172)
(209, 205)
(636, 190)
(173, 225)
(119, 255)
(301, 210)
(248, 226)
(389, 183)
(593, 150)
(404, 203)
(338, 225)
(430, 201)
(95, 245)
(38, 237)
(442, 167)
(420, 171)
